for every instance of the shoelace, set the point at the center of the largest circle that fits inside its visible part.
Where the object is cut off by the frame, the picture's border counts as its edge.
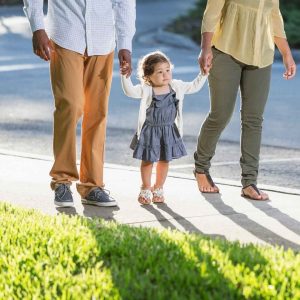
(66, 188)
(99, 192)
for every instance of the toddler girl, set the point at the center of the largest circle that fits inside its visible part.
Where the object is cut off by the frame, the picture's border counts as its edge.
(159, 133)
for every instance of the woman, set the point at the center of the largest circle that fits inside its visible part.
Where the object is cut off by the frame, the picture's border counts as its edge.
(237, 52)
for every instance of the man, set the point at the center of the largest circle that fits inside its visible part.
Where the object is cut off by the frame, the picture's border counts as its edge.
(79, 43)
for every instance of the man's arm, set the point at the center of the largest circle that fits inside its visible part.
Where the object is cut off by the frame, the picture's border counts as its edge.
(125, 14)
(33, 10)
(42, 47)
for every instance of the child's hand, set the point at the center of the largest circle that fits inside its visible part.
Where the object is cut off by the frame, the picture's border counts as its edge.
(124, 68)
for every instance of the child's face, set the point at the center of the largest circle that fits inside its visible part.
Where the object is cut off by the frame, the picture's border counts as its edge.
(162, 75)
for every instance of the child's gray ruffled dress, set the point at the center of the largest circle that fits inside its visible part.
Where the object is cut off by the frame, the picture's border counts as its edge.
(159, 138)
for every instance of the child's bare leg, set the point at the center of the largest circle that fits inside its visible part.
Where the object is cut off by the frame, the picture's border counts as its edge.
(162, 169)
(146, 172)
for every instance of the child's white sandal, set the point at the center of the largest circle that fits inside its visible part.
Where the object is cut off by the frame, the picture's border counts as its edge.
(158, 195)
(145, 197)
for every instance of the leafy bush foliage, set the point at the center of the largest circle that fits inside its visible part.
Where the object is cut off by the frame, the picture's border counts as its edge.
(10, 2)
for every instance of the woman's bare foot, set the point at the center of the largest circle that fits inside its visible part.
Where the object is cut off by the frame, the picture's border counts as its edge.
(253, 193)
(205, 183)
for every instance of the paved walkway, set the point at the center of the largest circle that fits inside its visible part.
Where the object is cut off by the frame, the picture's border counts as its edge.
(25, 182)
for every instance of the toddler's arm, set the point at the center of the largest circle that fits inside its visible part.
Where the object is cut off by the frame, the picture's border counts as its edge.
(130, 90)
(195, 85)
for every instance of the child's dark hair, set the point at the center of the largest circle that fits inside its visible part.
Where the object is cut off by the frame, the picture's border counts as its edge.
(147, 63)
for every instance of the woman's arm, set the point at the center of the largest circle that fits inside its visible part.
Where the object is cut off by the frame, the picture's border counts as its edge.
(210, 20)
(206, 56)
(288, 61)
(193, 86)
(130, 90)
(282, 43)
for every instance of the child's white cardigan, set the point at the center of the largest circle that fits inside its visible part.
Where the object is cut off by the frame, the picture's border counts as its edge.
(144, 92)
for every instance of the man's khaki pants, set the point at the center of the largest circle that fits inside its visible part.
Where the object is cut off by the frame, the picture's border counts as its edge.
(81, 86)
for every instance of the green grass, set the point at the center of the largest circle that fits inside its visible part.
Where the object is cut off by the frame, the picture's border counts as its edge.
(70, 257)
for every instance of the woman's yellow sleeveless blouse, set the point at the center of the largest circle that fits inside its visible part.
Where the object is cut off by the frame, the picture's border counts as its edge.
(245, 29)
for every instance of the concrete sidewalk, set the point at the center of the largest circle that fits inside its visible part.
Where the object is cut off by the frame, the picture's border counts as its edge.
(24, 182)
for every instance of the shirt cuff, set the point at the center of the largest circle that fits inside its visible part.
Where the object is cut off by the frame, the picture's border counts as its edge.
(124, 43)
(37, 24)
(280, 34)
(208, 26)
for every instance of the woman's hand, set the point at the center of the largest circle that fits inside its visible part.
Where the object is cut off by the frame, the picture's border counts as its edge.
(288, 61)
(205, 60)
(290, 66)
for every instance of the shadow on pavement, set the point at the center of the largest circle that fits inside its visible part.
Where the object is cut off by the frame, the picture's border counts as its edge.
(71, 211)
(251, 226)
(159, 216)
(278, 215)
(187, 225)
(106, 213)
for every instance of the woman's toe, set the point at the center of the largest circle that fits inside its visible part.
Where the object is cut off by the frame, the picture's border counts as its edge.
(264, 196)
(254, 195)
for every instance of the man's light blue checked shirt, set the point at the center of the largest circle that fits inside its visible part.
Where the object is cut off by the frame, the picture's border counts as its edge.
(79, 25)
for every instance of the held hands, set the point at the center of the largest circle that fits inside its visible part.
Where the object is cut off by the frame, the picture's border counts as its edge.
(205, 60)
(41, 45)
(290, 66)
(125, 62)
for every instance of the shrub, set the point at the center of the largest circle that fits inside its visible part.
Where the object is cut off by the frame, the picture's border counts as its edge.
(10, 2)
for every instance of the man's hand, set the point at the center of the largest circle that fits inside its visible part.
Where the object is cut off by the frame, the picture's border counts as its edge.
(205, 60)
(41, 44)
(125, 62)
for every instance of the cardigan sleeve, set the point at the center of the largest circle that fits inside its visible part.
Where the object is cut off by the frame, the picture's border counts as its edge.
(212, 15)
(193, 86)
(130, 90)
(278, 27)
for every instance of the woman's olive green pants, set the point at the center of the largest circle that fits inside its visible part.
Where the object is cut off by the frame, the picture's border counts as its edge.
(226, 77)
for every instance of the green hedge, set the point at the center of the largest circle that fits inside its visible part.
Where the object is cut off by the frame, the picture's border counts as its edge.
(70, 257)
(190, 24)
(10, 2)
